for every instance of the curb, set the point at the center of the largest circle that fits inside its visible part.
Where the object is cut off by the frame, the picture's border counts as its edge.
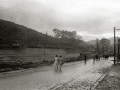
(98, 81)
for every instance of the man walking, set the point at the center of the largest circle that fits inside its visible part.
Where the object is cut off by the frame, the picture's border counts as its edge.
(85, 58)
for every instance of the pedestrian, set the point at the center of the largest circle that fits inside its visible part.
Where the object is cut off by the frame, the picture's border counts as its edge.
(93, 57)
(85, 57)
(60, 63)
(56, 63)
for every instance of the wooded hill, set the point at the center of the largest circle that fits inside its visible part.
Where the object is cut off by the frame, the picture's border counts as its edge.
(11, 33)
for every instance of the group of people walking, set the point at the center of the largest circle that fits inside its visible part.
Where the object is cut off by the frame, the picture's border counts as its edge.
(99, 57)
(58, 63)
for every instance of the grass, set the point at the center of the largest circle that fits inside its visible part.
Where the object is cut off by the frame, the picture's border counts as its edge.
(6, 66)
(30, 58)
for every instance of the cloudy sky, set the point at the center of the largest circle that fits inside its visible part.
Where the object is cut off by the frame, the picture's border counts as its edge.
(89, 18)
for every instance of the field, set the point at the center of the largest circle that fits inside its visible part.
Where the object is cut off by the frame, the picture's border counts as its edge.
(31, 57)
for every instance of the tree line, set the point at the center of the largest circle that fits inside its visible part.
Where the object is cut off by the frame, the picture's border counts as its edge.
(103, 46)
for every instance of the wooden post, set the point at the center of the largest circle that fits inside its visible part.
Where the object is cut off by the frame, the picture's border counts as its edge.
(114, 46)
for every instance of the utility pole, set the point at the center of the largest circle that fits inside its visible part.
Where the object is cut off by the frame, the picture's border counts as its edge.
(114, 46)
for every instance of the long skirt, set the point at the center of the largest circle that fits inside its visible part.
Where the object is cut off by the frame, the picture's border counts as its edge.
(56, 65)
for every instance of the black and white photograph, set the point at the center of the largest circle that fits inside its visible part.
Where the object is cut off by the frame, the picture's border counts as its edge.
(59, 44)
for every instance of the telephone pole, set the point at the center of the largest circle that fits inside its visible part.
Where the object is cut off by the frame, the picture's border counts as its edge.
(115, 45)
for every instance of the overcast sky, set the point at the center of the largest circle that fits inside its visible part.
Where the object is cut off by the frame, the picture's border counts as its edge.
(91, 19)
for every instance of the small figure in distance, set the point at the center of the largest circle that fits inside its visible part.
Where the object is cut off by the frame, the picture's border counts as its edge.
(56, 63)
(85, 58)
(60, 63)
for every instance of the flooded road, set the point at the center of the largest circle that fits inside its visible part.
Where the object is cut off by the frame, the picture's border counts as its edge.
(75, 75)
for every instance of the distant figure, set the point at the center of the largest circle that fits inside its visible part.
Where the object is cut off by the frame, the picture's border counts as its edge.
(96, 57)
(85, 57)
(60, 63)
(93, 57)
(56, 63)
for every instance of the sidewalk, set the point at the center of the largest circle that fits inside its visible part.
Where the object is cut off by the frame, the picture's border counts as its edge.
(112, 80)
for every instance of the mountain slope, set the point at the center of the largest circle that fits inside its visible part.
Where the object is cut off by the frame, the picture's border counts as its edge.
(10, 31)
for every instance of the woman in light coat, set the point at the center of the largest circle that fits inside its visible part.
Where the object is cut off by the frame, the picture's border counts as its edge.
(56, 63)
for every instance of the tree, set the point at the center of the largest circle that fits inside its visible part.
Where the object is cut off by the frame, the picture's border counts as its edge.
(70, 39)
(66, 34)
(97, 46)
(104, 45)
(78, 37)
(57, 33)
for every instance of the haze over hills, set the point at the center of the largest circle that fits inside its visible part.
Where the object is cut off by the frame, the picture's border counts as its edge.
(92, 42)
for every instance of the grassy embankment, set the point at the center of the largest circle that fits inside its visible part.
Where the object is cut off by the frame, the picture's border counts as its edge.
(39, 61)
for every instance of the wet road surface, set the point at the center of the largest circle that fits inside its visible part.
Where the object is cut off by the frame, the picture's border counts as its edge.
(74, 76)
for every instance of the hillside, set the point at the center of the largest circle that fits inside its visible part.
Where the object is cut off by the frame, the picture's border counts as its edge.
(11, 33)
